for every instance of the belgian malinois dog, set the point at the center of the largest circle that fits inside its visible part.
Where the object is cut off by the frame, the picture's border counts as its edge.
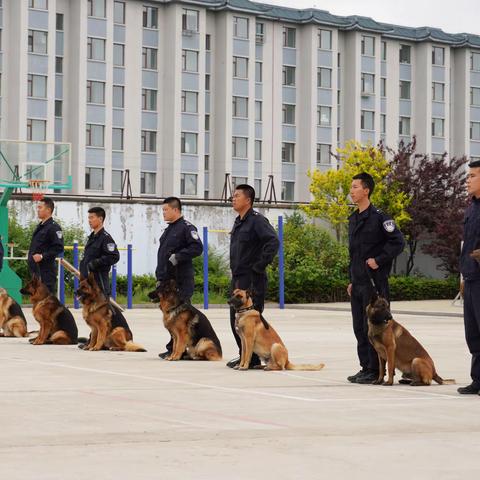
(259, 337)
(12, 319)
(109, 329)
(397, 348)
(191, 331)
(57, 325)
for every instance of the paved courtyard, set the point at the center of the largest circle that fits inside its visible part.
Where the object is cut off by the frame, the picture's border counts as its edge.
(70, 414)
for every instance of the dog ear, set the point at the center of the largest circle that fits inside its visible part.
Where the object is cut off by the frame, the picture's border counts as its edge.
(91, 279)
(373, 296)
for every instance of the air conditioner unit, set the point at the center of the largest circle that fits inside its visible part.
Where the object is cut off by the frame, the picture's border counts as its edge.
(259, 39)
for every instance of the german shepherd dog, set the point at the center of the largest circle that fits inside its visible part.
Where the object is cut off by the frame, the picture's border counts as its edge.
(109, 329)
(259, 337)
(397, 348)
(57, 325)
(12, 319)
(191, 331)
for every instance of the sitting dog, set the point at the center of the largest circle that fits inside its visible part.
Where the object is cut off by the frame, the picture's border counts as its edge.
(397, 348)
(192, 333)
(110, 330)
(259, 337)
(57, 325)
(12, 319)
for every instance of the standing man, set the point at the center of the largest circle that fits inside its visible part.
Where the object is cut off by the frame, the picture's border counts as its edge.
(178, 245)
(46, 245)
(373, 242)
(470, 269)
(253, 246)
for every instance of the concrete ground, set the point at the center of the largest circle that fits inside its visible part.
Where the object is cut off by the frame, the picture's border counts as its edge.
(70, 414)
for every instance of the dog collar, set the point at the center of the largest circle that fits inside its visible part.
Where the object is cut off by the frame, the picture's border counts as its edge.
(246, 309)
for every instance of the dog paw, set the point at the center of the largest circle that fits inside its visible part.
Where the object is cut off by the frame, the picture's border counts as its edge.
(378, 382)
(388, 383)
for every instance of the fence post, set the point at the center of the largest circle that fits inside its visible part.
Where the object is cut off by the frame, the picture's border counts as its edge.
(61, 281)
(129, 277)
(281, 266)
(75, 279)
(114, 282)
(205, 268)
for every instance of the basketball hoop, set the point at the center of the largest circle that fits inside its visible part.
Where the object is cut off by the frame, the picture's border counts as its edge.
(37, 187)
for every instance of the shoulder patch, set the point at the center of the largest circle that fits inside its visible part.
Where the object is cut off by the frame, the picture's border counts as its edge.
(111, 247)
(194, 235)
(59, 234)
(389, 226)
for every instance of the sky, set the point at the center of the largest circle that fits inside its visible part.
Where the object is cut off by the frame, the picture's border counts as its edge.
(453, 16)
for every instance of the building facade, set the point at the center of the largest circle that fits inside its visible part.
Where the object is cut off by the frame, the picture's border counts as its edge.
(182, 94)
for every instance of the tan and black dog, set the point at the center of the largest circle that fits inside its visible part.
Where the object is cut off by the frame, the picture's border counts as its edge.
(397, 348)
(57, 325)
(110, 330)
(12, 319)
(259, 337)
(193, 335)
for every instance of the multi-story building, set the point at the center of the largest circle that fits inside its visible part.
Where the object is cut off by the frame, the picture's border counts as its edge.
(182, 93)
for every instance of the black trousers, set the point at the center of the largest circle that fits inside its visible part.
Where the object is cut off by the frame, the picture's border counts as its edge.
(471, 318)
(361, 295)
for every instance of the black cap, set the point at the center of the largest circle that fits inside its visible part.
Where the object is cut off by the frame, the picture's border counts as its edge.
(474, 164)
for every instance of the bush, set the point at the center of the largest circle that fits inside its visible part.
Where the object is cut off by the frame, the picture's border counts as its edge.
(415, 288)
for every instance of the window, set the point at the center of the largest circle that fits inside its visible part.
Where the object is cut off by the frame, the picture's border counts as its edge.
(189, 143)
(325, 39)
(258, 149)
(383, 87)
(288, 114)
(207, 122)
(189, 102)
(405, 52)
(404, 126)
(323, 154)
(39, 4)
(118, 54)
(384, 51)
(475, 96)
(240, 67)
(240, 107)
(324, 77)
(368, 83)
(258, 111)
(190, 20)
(258, 72)
(475, 131)
(206, 163)
(475, 61)
(238, 181)
(189, 61)
(149, 141)
(150, 17)
(438, 92)
(259, 33)
(438, 56)
(37, 86)
(438, 127)
(37, 41)
(95, 135)
(288, 76)
(149, 58)
(96, 8)
(368, 45)
(257, 185)
(93, 178)
(324, 116)
(59, 22)
(405, 90)
(288, 191)
(288, 152)
(239, 147)
(117, 180)
(117, 138)
(58, 64)
(207, 82)
(383, 123)
(147, 183)
(188, 184)
(208, 42)
(95, 48)
(118, 96)
(58, 108)
(95, 92)
(36, 130)
(289, 37)
(367, 120)
(119, 12)
(240, 27)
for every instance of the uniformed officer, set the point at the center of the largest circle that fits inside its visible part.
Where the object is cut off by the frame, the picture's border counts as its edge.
(253, 246)
(470, 269)
(2, 253)
(373, 241)
(100, 252)
(178, 245)
(46, 245)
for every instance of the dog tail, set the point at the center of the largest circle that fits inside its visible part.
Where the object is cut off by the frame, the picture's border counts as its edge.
(304, 366)
(444, 381)
(133, 347)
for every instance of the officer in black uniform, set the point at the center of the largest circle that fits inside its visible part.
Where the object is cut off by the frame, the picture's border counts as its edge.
(2, 253)
(470, 270)
(373, 241)
(253, 246)
(178, 245)
(46, 245)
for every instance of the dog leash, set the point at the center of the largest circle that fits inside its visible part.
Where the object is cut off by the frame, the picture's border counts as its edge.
(372, 281)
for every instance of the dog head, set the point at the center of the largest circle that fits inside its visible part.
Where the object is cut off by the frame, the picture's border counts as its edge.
(378, 310)
(166, 292)
(35, 289)
(88, 290)
(240, 299)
